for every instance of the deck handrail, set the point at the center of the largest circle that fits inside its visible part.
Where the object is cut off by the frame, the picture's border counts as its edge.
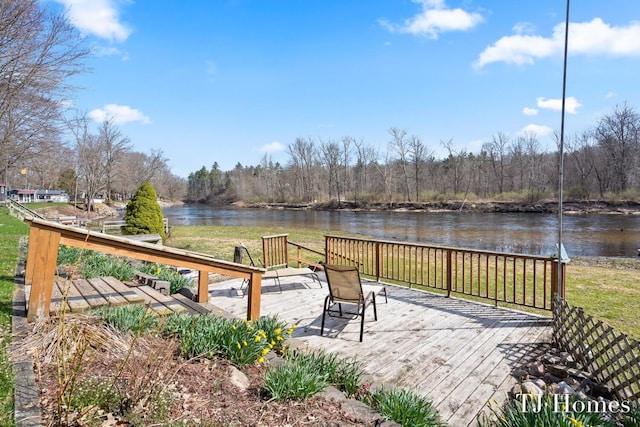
(20, 211)
(45, 238)
(523, 280)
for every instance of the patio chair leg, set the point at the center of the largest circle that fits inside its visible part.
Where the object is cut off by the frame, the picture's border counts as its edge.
(324, 312)
(375, 310)
(362, 323)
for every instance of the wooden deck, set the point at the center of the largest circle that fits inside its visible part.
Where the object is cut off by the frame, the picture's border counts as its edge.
(458, 353)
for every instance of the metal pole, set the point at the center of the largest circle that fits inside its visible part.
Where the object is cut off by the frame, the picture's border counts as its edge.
(561, 153)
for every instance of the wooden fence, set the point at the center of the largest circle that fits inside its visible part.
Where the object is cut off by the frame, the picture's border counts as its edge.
(523, 280)
(612, 357)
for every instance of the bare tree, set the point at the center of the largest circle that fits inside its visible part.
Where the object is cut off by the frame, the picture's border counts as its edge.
(498, 150)
(617, 135)
(303, 160)
(418, 154)
(366, 156)
(114, 147)
(400, 146)
(330, 158)
(39, 51)
(454, 164)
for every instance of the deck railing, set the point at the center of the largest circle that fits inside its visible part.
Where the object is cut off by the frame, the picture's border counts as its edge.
(524, 280)
(45, 238)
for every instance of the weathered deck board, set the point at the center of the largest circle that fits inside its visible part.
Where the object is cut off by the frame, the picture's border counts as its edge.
(458, 353)
(126, 292)
(93, 298)
(112, 297)
(75, 300)
(58, 302)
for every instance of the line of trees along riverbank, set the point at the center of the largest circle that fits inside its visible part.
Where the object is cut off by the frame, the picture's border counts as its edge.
(600, 162)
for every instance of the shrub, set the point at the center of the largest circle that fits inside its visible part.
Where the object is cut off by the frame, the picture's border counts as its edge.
(305, 374)
(143, 214)
(405, 407)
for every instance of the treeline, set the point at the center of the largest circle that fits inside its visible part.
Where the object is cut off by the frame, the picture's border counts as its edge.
(601, 162)
(39, 51)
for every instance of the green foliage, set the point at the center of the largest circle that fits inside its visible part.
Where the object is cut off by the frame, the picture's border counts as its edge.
(514, 414)
(143, 214)
(293, 381)
(241, 342)
(98, 265)
(177, 280)
(91, 392)
(305, 374)
(95, 264)
(405, 407)
(129, 318)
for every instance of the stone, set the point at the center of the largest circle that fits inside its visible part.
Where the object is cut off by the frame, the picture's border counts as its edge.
(558, 371)
(540, 383)
(520, 374)
(536, 369)
(528, 387)
(515, 391)
(564, 388)
(238, 378)
(550, 379)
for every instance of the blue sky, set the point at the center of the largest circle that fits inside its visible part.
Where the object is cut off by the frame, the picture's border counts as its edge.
(229, 81)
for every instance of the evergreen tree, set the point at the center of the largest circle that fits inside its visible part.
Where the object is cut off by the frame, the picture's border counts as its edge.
(143, 214)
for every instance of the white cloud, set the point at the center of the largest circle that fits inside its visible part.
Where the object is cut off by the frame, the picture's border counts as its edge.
(97, 17)
(537, 130)
(593, 38)
(119, 113)
(571, 104)
(610, 95)
(273, 147)
(434, 19)
(527, 111)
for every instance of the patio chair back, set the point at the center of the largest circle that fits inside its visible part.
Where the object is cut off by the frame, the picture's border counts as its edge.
(344, 284)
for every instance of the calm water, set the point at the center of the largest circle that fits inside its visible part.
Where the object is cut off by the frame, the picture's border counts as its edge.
(536, 234)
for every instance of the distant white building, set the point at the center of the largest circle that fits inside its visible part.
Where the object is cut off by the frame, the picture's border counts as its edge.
(52, 196)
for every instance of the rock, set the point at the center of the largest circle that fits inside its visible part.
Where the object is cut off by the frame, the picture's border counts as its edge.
(515, 391)
(550, 379)
(558, 371)
(238, 378)
(528, 387)
(520, 374)
(540, 383)
(331, 392)
(564, 388)
(536, 369)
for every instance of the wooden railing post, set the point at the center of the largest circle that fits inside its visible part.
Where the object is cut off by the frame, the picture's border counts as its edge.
(449, 271)
(378, 261)
(555, 283)
(254, 295)
(203, 286)
(43, 255)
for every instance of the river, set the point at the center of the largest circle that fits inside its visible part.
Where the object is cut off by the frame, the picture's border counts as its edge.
(535, 234)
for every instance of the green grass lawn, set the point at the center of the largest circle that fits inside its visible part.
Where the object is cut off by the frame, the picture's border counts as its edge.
(11, 229)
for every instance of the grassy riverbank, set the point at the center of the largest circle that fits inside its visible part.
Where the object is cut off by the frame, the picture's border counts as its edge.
(607, 288)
